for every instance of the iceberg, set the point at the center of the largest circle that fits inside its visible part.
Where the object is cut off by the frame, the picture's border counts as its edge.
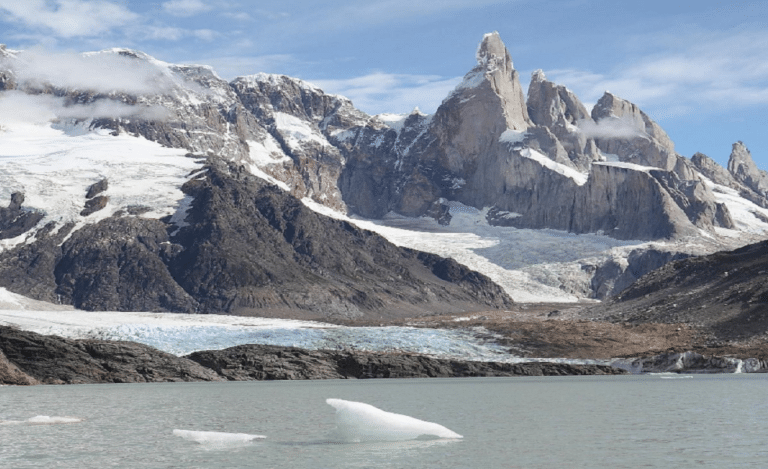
(42, 420)
(217, 438)
(357, 422)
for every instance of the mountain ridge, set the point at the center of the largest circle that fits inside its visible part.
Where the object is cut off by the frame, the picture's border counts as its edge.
(535, 163)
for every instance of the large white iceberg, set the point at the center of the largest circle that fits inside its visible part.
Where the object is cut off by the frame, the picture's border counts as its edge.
(357, 421)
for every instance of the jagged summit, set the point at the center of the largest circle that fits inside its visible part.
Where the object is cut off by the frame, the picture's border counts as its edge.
(743, 168)
(492, 53)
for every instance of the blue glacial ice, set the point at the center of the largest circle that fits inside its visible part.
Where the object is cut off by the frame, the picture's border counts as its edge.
(182, 340)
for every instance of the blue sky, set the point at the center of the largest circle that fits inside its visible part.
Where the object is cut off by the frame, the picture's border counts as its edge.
(699, 68)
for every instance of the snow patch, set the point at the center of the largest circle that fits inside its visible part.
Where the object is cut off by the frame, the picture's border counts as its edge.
(393, 121)
(266, 153)
(625, 165)
(297, 132)
(746, 215)
(579, 178)
(512, 136)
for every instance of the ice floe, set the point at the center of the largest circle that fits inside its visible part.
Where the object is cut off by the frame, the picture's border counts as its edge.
(359, 422)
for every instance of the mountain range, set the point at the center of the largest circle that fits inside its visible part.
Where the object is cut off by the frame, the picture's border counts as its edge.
(168, 188)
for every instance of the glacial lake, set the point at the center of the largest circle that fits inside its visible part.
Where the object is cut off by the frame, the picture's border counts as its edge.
(660, 421)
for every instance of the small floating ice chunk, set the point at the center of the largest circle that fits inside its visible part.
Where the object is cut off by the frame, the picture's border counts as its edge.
(217, 438)
(356, 421)
(47, 420)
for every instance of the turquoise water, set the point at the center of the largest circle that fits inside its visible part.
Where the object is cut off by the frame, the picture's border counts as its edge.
(623, 421)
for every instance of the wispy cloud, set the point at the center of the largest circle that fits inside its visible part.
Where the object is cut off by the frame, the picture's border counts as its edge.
(723, 71)
(186, 8)
(397, 93)
(17, 107)
(610, 128)
(100, 72)
(69, 18)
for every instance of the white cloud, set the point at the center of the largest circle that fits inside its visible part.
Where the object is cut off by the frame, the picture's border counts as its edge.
(206, 34)
(17, 107)
(100, 72)
(186, 8)
(610, 128)
(238, 16)
(705, 70)
(392, 93)
(69, 18)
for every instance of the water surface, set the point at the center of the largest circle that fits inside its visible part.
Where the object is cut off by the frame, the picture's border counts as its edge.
(619, 421)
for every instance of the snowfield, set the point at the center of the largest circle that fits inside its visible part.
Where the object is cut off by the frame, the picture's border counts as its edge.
(54, 167)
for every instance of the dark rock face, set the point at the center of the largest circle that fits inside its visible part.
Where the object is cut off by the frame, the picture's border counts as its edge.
(692, 362)
(29, 268)
(119, 264)
(11, 374)
(94, 205)
(55, 360)
(613, 277)
(248, 248)
(14, 220)
(725, 294)
(262, 362)
(97, 188)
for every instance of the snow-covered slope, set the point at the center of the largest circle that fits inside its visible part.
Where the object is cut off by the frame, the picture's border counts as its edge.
(54, 166)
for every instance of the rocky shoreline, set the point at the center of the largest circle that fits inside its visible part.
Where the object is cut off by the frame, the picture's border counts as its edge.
(28, 358)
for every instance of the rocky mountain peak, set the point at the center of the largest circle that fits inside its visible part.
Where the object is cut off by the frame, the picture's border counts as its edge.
(492, 53)
(560, 111)
(493, 80)
(626, 131)
(538, 76)
(743, 168)
(740, 156)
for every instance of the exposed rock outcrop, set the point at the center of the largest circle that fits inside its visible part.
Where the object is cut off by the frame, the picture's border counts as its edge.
(616, 275)
(55, 360)
(94, 204)
(724, 294)
(692, 362)
(97, 188)
(261, 362)
(11, 374)
(14, 220)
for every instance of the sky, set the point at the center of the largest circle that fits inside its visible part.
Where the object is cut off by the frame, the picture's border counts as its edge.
(698, 68)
